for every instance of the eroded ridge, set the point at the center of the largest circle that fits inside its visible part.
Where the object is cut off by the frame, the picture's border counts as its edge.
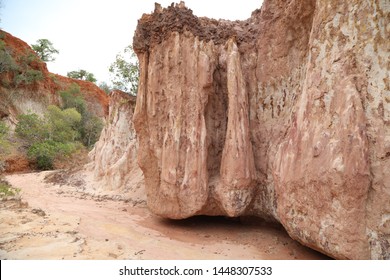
(282, 116)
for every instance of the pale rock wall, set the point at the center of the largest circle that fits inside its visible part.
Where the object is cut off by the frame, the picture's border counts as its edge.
(114, 157)
(282, 116)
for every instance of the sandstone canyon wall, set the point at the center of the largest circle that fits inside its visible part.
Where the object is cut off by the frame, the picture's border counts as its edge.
(114, 157)
(285, 116)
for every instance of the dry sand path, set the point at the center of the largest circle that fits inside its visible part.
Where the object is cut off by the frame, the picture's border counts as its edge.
(62, 222)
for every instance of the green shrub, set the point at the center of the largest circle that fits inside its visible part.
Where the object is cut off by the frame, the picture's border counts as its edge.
(90, 130)
(28, 77)
(82, 75)
(50, 138)
(43, 154)
(53, 77)
(63, 124)
(32, 128)
(57, 125)
(61, 132)
(5, 145)
(23, 73)
(6, 189)
(28, 58)
(72, 98)
(90, 127)
(7, 62)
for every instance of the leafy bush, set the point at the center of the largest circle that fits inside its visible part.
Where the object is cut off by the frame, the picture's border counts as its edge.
(4, 143)
(7, 62)
(57, 125)
(28, 77)
(50, 138)
(44, 153)
(60, 132)
(63, 124)
(32, 128)
(90, 127)
(72, 98)
(24, 74)
(28, 58)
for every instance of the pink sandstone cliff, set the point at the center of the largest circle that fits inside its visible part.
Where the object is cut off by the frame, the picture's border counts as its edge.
(114, 157)
(285, 116)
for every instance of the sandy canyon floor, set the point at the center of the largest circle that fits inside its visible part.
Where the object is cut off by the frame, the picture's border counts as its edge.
(65, 222)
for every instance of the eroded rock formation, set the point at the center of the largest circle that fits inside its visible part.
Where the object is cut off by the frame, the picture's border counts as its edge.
(114, 157)
(284, 116)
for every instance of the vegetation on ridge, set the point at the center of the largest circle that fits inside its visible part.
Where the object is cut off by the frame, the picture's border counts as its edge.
(21, 67)
(45, 50)
(61, 132)
(82, 75)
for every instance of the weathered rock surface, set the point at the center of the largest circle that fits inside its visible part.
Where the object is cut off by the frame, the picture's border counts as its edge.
(114, 157)
(285, 116)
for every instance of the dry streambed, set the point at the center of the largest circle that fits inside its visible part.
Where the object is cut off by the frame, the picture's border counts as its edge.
(73, 222)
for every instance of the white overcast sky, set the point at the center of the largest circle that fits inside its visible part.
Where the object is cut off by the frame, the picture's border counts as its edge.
(89, 33)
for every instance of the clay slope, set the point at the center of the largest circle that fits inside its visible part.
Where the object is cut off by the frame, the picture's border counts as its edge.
(21, 93)
(284, 116)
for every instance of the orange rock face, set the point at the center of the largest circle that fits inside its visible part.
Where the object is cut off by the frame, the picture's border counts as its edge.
(34, 97)
(284, 116)
(37, 95)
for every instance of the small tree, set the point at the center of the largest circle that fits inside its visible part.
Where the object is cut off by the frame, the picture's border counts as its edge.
(125, 71)
(45, 50)
(90, 78)
(72, 98)
(82, 75)
(105, 87)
